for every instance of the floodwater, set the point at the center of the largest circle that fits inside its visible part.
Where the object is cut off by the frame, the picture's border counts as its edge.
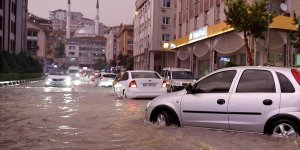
(89, 117)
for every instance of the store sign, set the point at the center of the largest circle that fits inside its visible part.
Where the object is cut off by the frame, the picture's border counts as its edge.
(224, 59)
(198, 34)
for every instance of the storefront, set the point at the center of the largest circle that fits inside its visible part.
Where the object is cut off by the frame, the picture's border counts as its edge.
(218, 46)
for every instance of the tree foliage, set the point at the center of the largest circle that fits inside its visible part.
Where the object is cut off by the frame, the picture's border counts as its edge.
(295, 36)
(250, 19)
(125, 61)
(20, 63)
(59, 49)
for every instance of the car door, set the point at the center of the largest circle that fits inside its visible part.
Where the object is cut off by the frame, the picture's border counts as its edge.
(207, 106)
(255, 99)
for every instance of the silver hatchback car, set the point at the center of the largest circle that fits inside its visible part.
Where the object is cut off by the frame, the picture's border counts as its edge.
(254, 99)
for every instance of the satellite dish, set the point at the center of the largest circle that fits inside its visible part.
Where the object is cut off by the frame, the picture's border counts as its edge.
(283, 7)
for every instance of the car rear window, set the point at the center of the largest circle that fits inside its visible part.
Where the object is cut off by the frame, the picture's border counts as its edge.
(285, 84)
(109, 76)
(144, 75)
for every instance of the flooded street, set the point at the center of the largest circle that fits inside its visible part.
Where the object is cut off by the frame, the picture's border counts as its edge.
(89, 117)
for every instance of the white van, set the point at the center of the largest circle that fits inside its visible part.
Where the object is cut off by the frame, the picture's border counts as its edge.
(74, 71)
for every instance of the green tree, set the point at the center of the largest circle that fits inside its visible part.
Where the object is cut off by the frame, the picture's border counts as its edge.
(250, 19)
(100, 64)
(125, 61)
(295, 36)
(59, 49)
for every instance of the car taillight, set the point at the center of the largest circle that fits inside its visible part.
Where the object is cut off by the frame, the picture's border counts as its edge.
(296, 75)
(132, 84)
(164, 84)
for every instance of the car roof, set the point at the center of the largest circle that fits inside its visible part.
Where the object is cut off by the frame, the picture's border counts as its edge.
(141, 71)
(280, 69)
(176, 69)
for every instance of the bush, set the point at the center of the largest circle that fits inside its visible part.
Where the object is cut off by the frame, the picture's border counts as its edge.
(18, 67)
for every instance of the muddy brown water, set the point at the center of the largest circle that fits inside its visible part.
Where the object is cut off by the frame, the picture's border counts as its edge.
(89, 117)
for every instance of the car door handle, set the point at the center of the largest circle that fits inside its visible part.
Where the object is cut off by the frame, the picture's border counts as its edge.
(221, 101)
(267, 102)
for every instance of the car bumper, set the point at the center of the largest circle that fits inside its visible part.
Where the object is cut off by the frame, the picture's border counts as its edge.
(58, 84)
(140, 93)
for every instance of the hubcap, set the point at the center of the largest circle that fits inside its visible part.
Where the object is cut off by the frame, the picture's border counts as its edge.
(161, 120)
(284, 130)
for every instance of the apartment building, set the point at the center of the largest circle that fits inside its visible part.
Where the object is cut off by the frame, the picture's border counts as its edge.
(59, 20)
(111, 45)
(40, 37)
(85, 51)
(205, 42)
(125, 40)
(13, 25)
(154, 24)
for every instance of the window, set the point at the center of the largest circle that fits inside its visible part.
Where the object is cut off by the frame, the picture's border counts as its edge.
(167, 3)
(165, 37)
(256, 81)
(217, 12)
(166, 20)
(217, 83)
(285, 84)
(130, 42)
(1, 23)
(72, 48)
(71, 53)
(206, 14)
(197, 21)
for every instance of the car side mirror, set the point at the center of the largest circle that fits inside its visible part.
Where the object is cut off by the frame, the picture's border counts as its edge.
(189, 89)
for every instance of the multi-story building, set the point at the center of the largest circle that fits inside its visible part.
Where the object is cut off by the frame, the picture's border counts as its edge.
(205, 42)
(85, 51)
(154, 23)
(40, 39)
(13, 25)
(112, 46)
(59, 20)
(125, 40)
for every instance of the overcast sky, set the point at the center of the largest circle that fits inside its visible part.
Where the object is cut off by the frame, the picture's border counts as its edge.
(112, 12)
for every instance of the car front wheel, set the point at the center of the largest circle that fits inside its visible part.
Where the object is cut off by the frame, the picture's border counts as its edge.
(164, 119)
(284, 129)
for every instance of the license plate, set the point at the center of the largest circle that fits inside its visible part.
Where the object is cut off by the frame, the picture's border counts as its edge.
(149, 84)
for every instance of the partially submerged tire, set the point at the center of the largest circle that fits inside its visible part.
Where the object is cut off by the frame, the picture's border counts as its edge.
(284, 129)
(164, 119)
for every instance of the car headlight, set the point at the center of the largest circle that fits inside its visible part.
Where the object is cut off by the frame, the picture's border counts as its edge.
(48, 80)
(77, 75)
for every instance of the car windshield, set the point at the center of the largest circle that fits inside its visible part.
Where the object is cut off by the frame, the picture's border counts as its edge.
(182, 75)
(145, 75)
(109, 76)
(58, 72)
(73, 71)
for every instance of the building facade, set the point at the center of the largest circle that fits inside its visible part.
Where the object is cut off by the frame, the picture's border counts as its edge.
(125, 40)
(112, 46)
(40, 39)
(154, 23)
(13, 25)
(85, 51)
(205, 42)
